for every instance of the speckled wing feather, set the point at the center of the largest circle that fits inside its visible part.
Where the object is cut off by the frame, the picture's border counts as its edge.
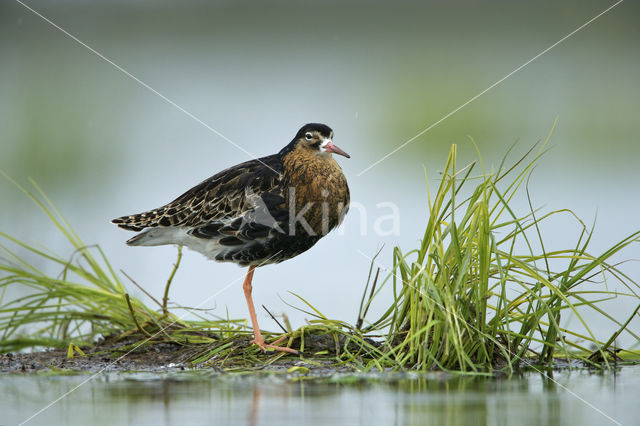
(237, 205)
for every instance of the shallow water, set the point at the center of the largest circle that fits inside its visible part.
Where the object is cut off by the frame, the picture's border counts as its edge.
(570, 397)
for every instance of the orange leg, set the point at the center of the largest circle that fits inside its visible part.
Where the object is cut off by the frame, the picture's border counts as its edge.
(257, 336)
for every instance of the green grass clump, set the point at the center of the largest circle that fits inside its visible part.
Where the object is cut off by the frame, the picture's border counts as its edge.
(470, 298)
(479, 293)
(85, 301)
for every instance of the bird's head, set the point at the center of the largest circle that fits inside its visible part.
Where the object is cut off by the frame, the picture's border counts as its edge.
(317, 138)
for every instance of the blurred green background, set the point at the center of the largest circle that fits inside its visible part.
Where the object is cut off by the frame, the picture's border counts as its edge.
(102, 145)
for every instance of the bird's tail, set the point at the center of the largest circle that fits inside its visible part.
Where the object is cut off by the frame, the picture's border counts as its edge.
(130, 223)
(149, 237)
(159, 236)
(140, 221)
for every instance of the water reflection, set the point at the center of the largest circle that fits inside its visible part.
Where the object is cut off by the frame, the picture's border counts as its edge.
(435, 399)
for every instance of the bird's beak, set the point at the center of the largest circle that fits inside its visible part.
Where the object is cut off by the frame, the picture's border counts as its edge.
(330, 147)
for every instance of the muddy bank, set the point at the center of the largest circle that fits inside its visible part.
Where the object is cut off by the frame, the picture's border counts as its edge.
(128, 353)
(131, 354)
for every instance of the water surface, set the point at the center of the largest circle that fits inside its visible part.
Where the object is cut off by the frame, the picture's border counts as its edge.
(179, 398)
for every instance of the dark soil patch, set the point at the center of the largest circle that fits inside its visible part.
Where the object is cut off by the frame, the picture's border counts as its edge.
(135, 353)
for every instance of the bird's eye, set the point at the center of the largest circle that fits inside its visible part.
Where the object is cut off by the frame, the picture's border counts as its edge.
(308, 136)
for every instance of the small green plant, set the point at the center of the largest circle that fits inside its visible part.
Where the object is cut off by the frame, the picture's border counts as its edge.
(85, 301)
(467, 300)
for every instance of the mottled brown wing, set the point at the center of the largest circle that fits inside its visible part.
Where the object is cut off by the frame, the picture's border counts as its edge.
(221, 197)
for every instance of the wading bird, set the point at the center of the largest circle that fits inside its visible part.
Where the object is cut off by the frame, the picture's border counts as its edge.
(259, 212)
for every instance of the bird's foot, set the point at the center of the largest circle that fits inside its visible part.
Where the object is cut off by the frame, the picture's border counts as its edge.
(274, 346)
